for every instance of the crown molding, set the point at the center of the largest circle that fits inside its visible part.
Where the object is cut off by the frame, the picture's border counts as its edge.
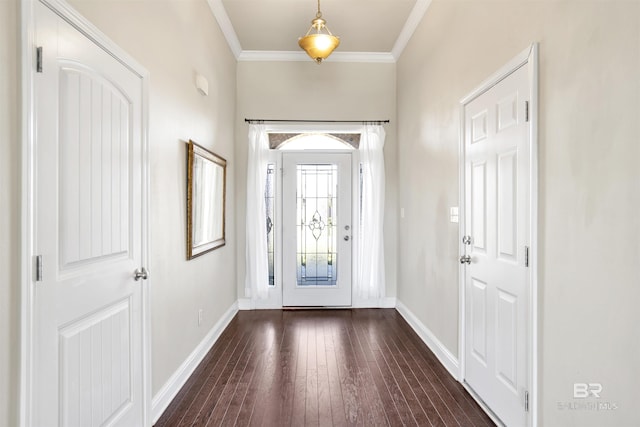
(300, 56)
(416, 15)
(272, 55)
(220, 13)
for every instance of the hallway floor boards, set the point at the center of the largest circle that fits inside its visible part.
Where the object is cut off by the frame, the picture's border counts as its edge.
(325, 368)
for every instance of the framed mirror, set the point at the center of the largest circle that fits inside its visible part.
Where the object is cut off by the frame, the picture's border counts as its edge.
(206, 193)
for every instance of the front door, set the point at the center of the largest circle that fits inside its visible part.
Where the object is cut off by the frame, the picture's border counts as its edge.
(317, 235)
(88, 315)
(497, 226)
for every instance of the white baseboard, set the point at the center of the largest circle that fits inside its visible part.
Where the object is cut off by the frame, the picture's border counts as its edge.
(247, 304)
(267, 304)
(448, 360)
(389, 302)
(244, 303)
(168, 392)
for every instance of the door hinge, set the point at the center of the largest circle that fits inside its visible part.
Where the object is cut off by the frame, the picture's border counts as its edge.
(526, 111)
(39, 59)
(526, 401)
(38, 268)
(526, 256)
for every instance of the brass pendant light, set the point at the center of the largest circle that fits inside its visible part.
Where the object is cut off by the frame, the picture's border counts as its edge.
(319, 44)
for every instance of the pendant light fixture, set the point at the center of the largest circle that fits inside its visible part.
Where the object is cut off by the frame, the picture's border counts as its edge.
(319, 44)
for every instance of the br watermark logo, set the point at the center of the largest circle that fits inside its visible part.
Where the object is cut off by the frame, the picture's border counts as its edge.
(587, 397)
(584, 390)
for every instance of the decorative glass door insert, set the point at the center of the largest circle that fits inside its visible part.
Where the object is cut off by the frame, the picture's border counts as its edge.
(270, 204)
(316, 203)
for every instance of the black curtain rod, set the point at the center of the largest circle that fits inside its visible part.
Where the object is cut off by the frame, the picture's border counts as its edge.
(364, 122)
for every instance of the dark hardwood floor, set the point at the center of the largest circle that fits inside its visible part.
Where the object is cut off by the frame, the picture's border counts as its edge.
(321, 367)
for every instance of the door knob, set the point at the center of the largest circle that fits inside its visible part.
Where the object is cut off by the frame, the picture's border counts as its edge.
(140, 273)
(465, 259)
(346, 238)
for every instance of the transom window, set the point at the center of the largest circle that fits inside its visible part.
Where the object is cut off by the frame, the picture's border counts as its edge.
(313, 141)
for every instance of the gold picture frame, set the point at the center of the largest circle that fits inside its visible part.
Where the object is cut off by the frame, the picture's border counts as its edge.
(206, 199)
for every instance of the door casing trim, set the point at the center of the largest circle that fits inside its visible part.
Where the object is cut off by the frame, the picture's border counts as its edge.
(28, 208)
(527, 58)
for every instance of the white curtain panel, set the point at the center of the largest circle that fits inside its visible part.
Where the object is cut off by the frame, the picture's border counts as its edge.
(257, 267)
(370, 283)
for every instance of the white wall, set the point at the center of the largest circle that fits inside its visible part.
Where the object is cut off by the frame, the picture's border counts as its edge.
(589, 183)
(10, 150)
(173, 40)
(330, 91)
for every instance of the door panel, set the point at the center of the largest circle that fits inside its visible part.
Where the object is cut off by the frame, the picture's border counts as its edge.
(479, 206)
(479, 320)
(507, 338)
(94, 168)
(88, 365)
(95, 367)
(316, 229)
(507, 206)
(496, 280)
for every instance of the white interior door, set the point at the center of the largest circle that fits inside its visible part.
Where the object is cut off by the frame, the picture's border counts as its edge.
(88, 313)
(317, 234)
(497, 201)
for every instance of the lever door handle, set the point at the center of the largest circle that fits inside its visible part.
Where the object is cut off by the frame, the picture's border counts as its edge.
(140, 273)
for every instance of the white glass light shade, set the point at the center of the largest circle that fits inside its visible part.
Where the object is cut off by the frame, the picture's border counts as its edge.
(319, 46)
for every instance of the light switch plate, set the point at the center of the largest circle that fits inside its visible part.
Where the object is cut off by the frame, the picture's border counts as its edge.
(453, 214)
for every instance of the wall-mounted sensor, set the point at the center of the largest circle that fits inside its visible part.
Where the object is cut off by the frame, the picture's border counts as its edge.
(202, 84)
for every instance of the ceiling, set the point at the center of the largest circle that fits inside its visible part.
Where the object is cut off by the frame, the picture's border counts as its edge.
(369, 30)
